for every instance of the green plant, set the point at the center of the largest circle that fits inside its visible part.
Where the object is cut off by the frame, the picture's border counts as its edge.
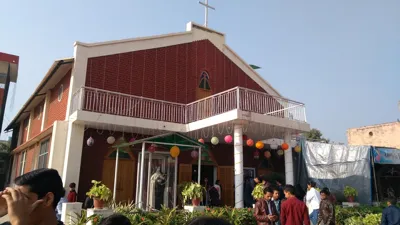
(82, 219)
(192, 191)
(99, 191)
(258, 191)
(372, 219)
(350, 192)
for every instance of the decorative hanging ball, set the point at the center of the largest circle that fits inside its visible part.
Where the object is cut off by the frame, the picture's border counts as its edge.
(245, 137)
(256, 155)
(132, 139)
(280, 152)
(285, 146)
(110, 140)
(297, 148)
(152, 148)
(273, 146)
(90, 141)
(267, 154)
(201, 140)
(194, 154)
(250, 142)
(259, 145)
(214, 140)
(174, 151)
(228, 139)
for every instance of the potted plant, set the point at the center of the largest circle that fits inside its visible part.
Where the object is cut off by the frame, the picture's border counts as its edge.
(193, 191)
(350, 193)
(100, 194)
(258, 192)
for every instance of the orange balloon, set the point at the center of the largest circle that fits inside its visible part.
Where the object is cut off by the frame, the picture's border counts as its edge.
(174, 151)
(250, 142)
(259, 145)
(285, 146)
(267, 154)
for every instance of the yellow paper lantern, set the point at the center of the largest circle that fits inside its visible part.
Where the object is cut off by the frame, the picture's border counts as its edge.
(297, 148)
(174, 151)
(259, 145)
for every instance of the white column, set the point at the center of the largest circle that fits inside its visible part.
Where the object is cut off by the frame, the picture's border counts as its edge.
(289, 175)
(45, 109)
(115, 175)
(199, 168)
(175, 180)
(31, 117)
(58, 142)
(73, 154)
(238, 164)
(141, 177)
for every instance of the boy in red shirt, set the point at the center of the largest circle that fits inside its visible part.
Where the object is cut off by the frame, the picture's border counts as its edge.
(72, 195)
(293, 211)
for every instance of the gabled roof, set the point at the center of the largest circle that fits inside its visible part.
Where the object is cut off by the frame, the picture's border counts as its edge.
(170, 139)
(194, 32)
(52, 77)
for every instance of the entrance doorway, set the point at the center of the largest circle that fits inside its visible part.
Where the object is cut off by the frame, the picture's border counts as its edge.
(207, 171)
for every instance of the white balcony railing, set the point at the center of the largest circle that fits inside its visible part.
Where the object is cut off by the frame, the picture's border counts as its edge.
(108, 102)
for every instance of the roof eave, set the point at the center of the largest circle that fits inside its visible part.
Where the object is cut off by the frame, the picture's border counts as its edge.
(53, 69)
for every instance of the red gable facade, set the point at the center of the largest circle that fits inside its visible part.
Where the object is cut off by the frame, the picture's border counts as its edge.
(170, 73)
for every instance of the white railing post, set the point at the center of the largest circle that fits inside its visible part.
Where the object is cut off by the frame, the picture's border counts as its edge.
(304, 111)
(238, 98)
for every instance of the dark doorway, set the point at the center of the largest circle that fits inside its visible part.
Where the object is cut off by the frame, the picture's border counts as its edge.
(206, 172)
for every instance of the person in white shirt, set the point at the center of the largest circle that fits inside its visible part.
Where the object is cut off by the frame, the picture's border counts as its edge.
(313, 199)
(218, 187)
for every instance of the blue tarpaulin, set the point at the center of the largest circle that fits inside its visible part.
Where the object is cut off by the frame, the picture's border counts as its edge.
(386, 155)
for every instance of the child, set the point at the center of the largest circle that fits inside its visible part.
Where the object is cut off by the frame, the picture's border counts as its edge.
(72, 195)
(326, 214)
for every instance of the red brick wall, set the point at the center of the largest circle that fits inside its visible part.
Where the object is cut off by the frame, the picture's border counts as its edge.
(169, 73)
(30, 154)
(17, 162)
(57, 109)
(36, 122)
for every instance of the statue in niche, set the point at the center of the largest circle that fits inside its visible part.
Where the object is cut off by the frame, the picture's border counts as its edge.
(157, 186)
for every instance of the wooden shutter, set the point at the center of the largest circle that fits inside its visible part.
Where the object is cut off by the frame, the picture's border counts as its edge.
(226, 177)
(185, 173)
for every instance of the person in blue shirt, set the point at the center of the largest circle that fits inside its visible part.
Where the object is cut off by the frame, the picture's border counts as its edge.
(391, 214)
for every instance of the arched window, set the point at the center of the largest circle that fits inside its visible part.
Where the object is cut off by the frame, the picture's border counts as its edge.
(204, 83)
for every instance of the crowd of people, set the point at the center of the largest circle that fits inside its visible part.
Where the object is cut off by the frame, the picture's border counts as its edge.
(37, 196)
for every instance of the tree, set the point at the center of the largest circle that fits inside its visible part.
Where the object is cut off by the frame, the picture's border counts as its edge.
(316, 135)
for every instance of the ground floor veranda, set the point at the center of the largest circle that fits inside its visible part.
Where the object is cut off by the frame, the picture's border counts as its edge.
(216, 162)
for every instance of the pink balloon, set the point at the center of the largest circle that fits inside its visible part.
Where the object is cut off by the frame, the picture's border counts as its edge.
(152, 148)
(228, 139)
(132, 139)
(194, 154)
(378, 158)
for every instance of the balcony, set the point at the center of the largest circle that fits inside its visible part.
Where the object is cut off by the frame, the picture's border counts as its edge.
(246, 100)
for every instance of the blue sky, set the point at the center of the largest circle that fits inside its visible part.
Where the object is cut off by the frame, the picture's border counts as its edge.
(341, 58)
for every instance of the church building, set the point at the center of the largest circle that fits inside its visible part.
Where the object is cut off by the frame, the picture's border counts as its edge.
(175, 87)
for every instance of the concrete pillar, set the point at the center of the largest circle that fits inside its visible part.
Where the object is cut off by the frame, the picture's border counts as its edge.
(45, 109)
(57, 146)
(68, 212)
(289, 175)
(238, 165)
(73, 154)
